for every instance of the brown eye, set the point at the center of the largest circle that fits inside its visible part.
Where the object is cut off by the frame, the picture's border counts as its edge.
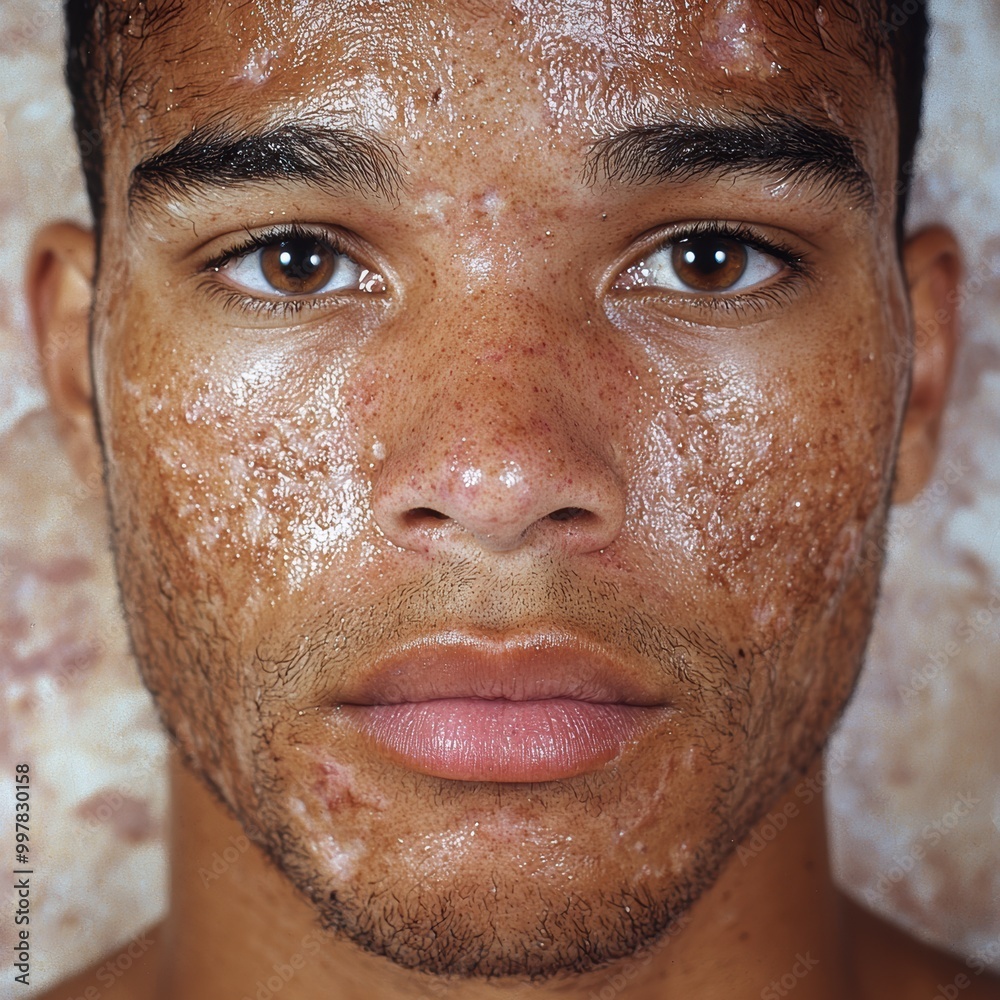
(299, 266)
(709, 263)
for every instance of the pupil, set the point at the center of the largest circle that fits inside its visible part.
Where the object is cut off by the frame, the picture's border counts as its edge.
(301, 266)
(710, 263)
(299, 262)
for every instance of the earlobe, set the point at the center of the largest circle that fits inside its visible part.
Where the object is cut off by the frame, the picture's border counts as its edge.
(59, 291)
(933, 269)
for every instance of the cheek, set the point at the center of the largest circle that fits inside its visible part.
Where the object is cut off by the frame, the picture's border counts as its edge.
(229, 493)
(761, 484)
(250, 476)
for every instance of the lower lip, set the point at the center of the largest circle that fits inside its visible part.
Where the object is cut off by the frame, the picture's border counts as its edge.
(477, 739)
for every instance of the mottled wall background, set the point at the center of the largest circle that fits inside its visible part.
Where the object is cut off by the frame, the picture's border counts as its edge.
(913, 777)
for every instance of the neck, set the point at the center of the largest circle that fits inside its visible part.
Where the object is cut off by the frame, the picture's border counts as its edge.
(237, 929)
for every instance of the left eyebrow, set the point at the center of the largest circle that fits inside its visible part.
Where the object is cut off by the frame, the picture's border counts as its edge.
(223, 155)
(775, 145)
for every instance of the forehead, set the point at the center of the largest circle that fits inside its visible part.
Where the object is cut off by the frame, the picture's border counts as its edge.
(577, 66)
(472, 97)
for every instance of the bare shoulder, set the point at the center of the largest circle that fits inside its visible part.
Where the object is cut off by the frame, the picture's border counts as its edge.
(890, 963)
(130, 970)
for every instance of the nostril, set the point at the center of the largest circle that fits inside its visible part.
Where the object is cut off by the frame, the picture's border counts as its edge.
(417, 514)
(566, 513)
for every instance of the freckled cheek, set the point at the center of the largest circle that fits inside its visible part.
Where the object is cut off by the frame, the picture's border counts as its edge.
(805, 515)
(259, 492)
(759, 491)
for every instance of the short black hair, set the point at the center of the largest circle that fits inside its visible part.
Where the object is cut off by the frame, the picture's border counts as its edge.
(95, 71)
(99, 68)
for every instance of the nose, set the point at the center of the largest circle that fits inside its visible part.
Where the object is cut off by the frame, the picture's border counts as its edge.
(500, 457)
(545, 499)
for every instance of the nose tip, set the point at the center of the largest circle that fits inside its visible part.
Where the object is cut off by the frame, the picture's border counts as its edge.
(570, 505)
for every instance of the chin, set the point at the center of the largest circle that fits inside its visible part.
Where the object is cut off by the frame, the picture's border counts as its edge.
(500, 880)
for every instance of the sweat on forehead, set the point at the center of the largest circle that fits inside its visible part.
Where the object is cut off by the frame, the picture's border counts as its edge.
(145, 41)
(129, 63)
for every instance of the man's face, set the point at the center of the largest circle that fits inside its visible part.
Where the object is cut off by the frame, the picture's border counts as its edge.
(489, 489)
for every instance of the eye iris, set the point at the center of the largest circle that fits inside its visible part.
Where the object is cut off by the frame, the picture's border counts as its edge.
(298, 267)
(709, 263)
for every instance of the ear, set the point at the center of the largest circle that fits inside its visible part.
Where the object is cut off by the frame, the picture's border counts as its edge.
(59, 283)
(933, 267)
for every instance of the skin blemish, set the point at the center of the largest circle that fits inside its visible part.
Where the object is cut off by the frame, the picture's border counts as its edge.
(489, 206)
(823, 23)
(434, 206)
(341, 859)
(734, 40)
(833, 106)
(339, 787)
(257, 67)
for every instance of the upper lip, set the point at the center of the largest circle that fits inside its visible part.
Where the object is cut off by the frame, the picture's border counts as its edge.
(526, 667)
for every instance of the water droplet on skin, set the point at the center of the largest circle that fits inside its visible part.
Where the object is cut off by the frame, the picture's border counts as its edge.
(511, 475)
(472, 477)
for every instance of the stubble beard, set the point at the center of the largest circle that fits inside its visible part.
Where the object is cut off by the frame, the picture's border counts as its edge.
(490, 921)
(507, 916)
(497, 923)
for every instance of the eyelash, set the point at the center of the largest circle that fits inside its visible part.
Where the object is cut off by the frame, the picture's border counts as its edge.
(776, 292)
(288, 306)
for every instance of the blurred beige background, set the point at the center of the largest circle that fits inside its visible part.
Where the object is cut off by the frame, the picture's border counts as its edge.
(913, 777)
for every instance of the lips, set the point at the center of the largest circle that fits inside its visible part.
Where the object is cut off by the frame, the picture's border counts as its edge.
(530, 708)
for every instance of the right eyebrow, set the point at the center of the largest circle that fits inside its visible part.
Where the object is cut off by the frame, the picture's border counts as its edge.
(773, 145)
(219, 156)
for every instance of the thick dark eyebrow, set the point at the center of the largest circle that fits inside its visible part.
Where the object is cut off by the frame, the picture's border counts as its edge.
(219, 156)
(767, 145)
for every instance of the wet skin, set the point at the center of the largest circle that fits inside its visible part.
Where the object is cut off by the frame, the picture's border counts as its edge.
(510, 388)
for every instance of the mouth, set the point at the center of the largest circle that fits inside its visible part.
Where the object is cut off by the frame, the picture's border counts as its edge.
(522, 709)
